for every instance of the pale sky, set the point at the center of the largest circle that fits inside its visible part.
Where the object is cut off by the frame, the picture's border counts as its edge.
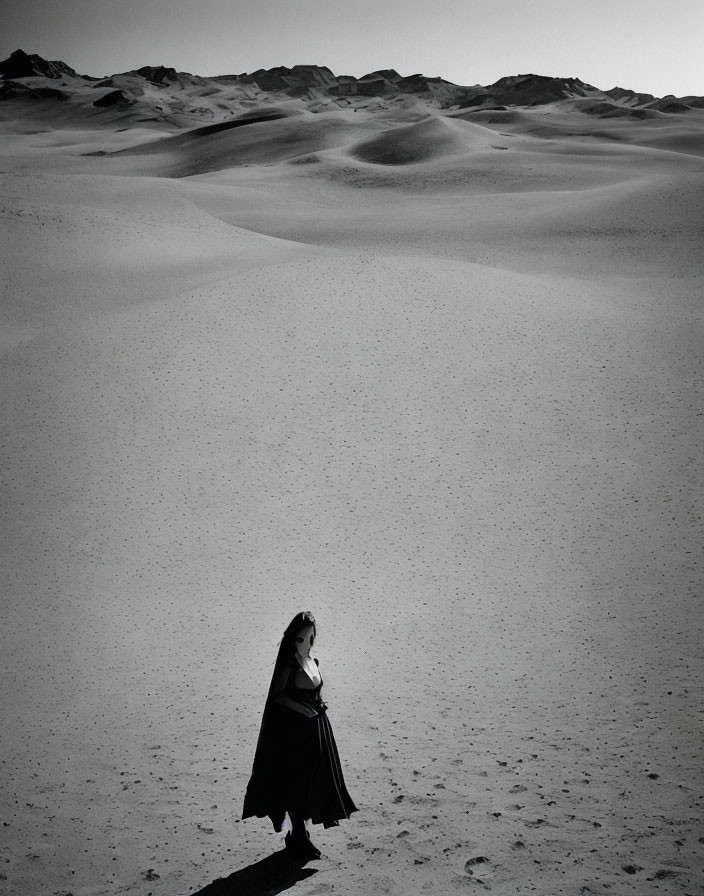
(645, 45)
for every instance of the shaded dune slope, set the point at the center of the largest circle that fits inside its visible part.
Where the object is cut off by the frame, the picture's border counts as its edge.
(561, 214)
(259, 140)
(282, 137)
(144, 235)
(433, 145)
(654, 130)
(426, 140)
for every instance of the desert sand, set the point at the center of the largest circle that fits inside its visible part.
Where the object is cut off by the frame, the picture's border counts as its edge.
(434, 374)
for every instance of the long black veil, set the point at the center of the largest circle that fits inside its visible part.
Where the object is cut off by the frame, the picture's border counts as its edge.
(267, 756)
(287, 649)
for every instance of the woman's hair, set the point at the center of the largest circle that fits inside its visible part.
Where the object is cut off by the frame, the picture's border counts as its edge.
(299, 621)
(287, 647)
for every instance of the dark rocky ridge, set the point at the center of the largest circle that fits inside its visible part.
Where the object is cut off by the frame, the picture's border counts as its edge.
(22, 65)
(317, 88)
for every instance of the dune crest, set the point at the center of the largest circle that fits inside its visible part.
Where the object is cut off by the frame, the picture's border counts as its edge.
(430, 139)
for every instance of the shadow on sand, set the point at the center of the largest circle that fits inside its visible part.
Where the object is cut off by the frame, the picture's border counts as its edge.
(272, 875)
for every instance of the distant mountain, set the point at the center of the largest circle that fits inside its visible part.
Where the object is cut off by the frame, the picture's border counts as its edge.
(295, 81)
(21, 65)
(533, 90)
(159, 74)
(636, 99)
(159, 93)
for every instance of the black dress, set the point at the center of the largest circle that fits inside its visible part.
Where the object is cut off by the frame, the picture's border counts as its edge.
(296, 763)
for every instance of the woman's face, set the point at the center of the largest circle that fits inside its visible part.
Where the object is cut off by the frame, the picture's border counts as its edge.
(304, 640)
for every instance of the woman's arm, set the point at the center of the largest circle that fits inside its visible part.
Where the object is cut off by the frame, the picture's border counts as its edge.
(279, 696)
(283, 700)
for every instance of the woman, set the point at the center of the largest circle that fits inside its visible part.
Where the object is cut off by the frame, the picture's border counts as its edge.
(296, 765)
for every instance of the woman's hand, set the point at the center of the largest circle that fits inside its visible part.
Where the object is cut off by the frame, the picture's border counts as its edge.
(303, 708)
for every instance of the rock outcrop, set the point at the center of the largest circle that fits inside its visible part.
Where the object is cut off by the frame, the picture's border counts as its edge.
(23, 65)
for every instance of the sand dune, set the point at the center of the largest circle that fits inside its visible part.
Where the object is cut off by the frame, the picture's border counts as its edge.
(259, 140)
(427, 140)
(654, 129)
(436, 376)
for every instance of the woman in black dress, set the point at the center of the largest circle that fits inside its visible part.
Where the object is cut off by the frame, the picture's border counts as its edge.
(296, 765)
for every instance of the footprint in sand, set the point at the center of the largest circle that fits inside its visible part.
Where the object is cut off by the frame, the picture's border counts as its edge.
(538, 823)
(480, 871)
(664, 874)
